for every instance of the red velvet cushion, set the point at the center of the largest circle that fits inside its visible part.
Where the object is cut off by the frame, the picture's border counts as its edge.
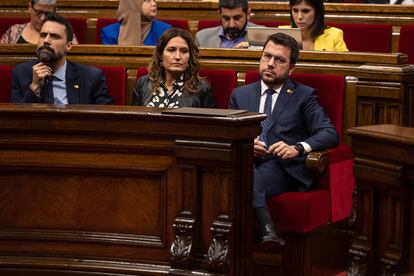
(406, 43)
(177, 23)
(6, 82)
(300, 212)
(330, 89)
(223, 81)
(366, 37)
(79, 28)
(207, 23)
(116, 82)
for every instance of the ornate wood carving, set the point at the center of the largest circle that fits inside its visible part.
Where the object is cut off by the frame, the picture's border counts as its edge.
(382, 167)
(358, 263)
(219, 249)
(180, 252)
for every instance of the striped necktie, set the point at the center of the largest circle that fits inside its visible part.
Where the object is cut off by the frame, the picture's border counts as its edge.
(268, 111)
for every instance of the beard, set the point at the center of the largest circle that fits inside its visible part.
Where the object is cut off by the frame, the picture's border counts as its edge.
(234, 33)
(276, 80)
(47, 55)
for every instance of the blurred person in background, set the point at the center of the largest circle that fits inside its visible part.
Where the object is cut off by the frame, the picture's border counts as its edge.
(136, 24)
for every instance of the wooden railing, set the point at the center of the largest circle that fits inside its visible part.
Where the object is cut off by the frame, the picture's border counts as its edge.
(379, 87)
(93, 190)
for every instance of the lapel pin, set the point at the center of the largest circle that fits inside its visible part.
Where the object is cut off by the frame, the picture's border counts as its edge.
(290, 91)
(76, 86)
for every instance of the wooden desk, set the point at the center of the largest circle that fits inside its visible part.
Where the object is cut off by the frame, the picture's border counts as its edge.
(124, 190)
(384, 173)
(379, 87)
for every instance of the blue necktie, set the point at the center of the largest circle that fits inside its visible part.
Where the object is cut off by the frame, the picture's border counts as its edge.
(268, 111)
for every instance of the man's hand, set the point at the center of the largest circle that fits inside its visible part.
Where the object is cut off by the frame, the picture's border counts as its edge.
(259, 148)
(283, 150)
(242, 45)
(40, 71)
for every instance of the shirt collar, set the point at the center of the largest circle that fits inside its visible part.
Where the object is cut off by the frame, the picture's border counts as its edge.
(61, 72)
(264, 87)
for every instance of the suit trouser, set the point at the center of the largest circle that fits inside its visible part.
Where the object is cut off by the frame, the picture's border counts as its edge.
(270, 179)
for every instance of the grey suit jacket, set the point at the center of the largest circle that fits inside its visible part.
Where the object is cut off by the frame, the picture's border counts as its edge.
(209, 38)
(202, 98)
(84, 85)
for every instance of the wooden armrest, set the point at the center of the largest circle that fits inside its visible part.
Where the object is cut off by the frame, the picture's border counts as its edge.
(317, 161)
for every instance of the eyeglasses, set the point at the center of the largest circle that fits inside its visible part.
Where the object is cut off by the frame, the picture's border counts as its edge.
(266, 57)
(40, 12)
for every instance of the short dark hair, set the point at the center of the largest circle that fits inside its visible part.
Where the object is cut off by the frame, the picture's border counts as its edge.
(54, 17)
(287, 41)
(318, 26)
(232, 4)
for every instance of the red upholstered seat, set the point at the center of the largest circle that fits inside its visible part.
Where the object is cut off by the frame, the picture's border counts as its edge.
(177, 23)
(116, 82)
(103, 22)
(366, 37)
(331, 200)
(6, 83)
(223, 81)
(79, 28)
(406, 41)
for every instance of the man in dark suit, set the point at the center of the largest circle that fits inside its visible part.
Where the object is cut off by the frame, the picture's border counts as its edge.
(53, 79)
(296, 125)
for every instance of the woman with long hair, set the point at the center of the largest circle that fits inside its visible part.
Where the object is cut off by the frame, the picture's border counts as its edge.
(173, 80)
(309, 17)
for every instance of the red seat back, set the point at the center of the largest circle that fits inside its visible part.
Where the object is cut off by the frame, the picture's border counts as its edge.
(79, 28)
(177, 23)
(366, 37)
(207, 23)
(223, 81)
(116, 82)
(406, 42)
(6, 83)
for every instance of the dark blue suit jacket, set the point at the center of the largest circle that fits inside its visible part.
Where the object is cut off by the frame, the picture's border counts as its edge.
(296, 117)
(84, 85)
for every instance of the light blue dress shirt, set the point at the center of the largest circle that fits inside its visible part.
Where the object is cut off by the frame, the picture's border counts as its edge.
(60, 94)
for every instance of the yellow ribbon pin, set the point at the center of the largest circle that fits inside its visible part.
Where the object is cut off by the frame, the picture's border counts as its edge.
(290, 91)
(76, 86)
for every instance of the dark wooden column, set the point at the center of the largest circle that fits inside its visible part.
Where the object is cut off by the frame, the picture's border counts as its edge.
(384, 173)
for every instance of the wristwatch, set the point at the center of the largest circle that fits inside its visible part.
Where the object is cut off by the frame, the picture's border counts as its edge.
(299, 147)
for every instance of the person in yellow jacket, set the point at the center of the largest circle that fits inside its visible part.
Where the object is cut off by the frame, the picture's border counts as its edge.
(309, 17)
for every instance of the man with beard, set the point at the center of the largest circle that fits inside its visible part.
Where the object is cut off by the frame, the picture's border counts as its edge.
(296, 124)
(232, 33)
(53, 79)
